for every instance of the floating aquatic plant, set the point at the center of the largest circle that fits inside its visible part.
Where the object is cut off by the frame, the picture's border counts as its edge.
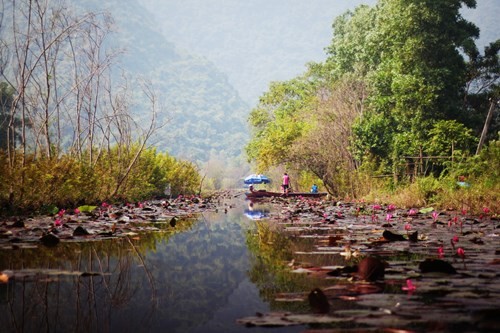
(407, 227)
(461, 254)
(410, 287)
(435, 216)
(453, 241)
(440, 252)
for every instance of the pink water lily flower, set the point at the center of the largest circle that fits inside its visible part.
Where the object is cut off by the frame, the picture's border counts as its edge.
(435, 215)
(57, 222)
(407, 227)
(77, 211)
(486, 210)
(412, 212)
(452, 221)
(388, 217)
(377, 207)
(61, 212)
(440, 252)
(409, 286)
(391, 207)
(461, 252)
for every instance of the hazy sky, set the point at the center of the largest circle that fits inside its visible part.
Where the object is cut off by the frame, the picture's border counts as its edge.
(258, 41)
(252, 42)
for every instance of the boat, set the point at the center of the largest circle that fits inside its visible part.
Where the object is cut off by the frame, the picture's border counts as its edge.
(267, 194)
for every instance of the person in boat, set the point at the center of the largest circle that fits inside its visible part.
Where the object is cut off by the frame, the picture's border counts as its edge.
(251, 188)
(286, 183)
(314, 188)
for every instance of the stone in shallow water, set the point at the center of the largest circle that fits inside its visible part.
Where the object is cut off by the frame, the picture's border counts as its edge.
(436, 266)
(318, 301)
(50, 239)
(80, 231)
(392, 237)
(371, 269)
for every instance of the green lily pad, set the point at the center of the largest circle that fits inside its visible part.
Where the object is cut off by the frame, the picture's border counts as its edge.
(426, 210)
(86, 208)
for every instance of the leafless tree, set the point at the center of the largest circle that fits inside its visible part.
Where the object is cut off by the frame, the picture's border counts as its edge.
(56, 61)
(325, 149)
(145, 133)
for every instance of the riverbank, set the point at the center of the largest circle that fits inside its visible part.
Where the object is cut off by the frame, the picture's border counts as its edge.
(382, 267)
(92, 223)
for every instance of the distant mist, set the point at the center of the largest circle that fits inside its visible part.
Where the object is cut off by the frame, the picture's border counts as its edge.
(259, 41)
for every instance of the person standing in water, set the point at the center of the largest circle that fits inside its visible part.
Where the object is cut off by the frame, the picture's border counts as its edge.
(286, 183)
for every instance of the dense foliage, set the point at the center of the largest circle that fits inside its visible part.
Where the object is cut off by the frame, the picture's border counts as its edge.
(404, 90)
(68, 131)
(68, 182)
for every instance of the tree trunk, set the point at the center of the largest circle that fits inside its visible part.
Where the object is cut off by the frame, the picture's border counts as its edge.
(486, 125)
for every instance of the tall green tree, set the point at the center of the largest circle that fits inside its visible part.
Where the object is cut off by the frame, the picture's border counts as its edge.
(421, 75)
(277, 123)
(419, 81)
(292, 115)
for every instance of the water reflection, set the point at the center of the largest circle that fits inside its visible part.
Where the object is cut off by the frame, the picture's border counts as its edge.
(257, 214)
(257, 211)
(195, 279)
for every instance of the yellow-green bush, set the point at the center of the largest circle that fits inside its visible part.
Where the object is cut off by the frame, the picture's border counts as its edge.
(67, 182)
(481, 174)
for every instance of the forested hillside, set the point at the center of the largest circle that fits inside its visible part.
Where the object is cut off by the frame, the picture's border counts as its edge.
(201, 112)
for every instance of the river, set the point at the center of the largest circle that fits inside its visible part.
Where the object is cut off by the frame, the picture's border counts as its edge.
(194, 279)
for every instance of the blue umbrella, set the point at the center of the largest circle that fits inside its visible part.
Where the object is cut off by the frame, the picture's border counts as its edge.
(257, 179)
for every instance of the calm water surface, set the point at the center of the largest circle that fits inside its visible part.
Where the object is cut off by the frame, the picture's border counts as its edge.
(194, 278)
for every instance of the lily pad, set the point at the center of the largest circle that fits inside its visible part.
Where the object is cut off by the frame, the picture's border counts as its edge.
(87, 208)
(426, 210)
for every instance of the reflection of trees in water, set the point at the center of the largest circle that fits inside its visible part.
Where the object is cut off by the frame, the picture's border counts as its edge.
(79, 287)
(272, 250)
(202, 268)
(72, 287)
(157, 282)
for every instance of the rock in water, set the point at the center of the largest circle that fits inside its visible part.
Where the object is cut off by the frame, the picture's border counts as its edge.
(50, 239)
(371, 269)
(18, 224)
(318, 301)
(436, 266)
(80, 231)
(392, 237)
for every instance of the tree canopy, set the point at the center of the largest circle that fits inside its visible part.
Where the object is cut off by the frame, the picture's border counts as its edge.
(402, 78)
